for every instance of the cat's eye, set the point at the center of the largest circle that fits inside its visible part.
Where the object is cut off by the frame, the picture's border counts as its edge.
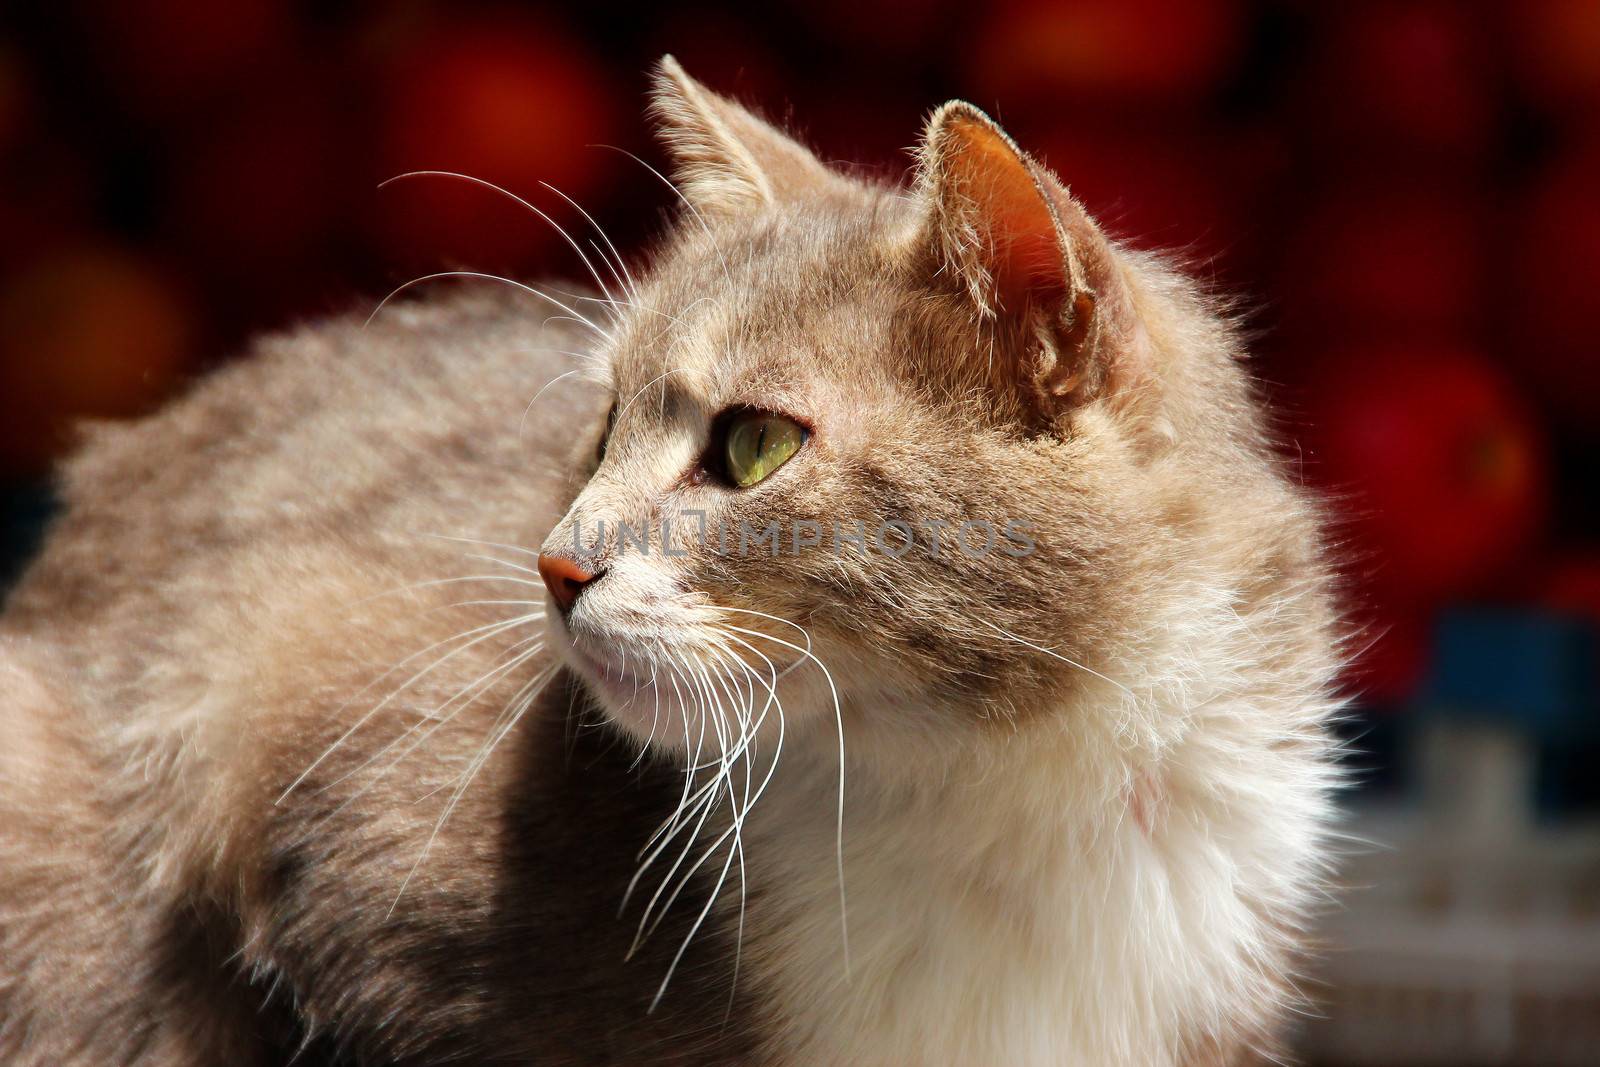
(756, 443)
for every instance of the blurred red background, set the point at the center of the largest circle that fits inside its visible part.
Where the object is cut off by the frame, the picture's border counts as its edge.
(1403, 199)
(1402, 195)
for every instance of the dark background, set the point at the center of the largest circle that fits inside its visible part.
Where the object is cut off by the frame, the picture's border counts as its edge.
(1402, 196)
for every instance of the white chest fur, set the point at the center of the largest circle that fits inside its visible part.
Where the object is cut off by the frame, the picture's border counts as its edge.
(1057, 905)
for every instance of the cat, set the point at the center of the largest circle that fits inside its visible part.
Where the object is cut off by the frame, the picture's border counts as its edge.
(879, 631)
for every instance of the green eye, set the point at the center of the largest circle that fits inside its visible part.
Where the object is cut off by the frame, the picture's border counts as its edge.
(756, 444)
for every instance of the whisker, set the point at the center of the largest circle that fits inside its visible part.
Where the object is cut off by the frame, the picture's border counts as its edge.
(472, 691)
(483, 633)
(838, 713)
(522, 424)
(1056, 655)
(719, 722)
(627, 281)
(483, 276)
(503, 562)
(461, 539)
(537, 680)
(443, 581)
(520, 200)
(523, 702)
(692, 758)
(749, 800)
(660, 377)
(712, 679)
(687, 203)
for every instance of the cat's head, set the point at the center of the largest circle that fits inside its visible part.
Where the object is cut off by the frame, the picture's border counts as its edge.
(887, 445)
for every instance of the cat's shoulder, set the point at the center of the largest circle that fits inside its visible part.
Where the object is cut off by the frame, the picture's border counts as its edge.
(410, 418)
(410, 363)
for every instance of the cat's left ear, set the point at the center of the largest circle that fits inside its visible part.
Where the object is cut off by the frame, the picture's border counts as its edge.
(1031, 259)
(726, 158)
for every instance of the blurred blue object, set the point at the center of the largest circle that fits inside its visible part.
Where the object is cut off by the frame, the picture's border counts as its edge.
(1534, 670)
(1529, 678)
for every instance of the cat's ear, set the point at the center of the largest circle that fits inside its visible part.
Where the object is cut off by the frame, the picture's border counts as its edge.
(726, 158)
(1030, 258)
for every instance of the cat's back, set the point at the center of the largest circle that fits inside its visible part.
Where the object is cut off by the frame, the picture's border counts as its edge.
(455, 415)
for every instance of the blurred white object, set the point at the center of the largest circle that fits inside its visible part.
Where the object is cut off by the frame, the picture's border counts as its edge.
(1468, 935)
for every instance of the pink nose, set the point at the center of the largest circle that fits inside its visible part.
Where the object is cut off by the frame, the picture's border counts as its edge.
(564, 578)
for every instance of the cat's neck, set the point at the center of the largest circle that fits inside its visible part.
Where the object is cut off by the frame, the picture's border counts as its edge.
(1023, 902)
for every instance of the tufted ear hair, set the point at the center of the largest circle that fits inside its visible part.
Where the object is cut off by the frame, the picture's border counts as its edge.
(1030, 259)
(727, 159)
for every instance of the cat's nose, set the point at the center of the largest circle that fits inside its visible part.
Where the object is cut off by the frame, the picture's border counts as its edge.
(565, 579)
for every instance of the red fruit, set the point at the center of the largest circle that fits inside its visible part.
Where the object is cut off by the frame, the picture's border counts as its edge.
(508, 102)
(92, 331)
(1125, 48)
(1434, 461)
(1383, 258)
(1556, 263)
(1558, 50)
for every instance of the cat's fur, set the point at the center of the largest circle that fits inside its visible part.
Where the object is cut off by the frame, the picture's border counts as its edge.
(1086, 788)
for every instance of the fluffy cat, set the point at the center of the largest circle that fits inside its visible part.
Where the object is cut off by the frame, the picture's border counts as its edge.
(361, 710)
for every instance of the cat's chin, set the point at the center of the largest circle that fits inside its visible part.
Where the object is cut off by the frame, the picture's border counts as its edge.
(611, 685)
(677, 710)
(634, 696)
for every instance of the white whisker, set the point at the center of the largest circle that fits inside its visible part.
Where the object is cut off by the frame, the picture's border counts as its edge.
(626, 281)
(1056, 655)
(521, 702)
(520, 200)
(482, 276)
(522, 424)
(478, 635)
(838, 713)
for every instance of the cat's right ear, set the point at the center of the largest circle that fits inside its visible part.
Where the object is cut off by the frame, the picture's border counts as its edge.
(726, 159)
(1004, 229)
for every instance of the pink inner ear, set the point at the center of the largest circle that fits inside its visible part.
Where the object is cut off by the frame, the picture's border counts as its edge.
(1023, 252)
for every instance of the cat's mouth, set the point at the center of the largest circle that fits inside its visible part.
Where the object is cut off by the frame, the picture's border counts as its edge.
(670, 694)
